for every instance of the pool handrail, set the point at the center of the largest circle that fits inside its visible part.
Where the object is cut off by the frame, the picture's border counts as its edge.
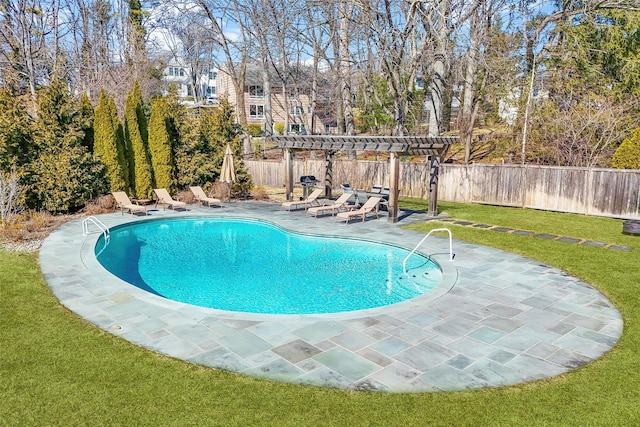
(103, 228)
(451, 254)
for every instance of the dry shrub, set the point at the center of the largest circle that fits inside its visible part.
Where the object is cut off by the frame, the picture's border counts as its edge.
(186, 196)
(100, 205)
(14, 231)
(259, 193)
(219, 190)
(30, 225)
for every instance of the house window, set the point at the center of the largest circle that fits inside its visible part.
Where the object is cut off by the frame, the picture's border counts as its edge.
(297, 128)
(212, 75)
(295, 111)
(256, 111)
(176, 71)
(211, 90)
(256, 91)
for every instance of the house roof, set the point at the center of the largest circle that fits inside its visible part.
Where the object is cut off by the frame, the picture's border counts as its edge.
(300, 76)
(408, 145)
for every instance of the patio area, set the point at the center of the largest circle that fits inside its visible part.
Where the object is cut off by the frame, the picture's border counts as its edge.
(496, 318)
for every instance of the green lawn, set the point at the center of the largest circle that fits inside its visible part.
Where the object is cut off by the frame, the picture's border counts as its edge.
(57, 369)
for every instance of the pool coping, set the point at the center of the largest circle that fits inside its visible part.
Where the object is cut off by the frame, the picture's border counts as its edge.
(496, 318)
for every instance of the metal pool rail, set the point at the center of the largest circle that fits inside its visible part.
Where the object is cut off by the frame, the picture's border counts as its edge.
(451, 254)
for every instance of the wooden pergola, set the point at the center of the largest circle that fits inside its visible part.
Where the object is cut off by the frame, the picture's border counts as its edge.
(395, 146)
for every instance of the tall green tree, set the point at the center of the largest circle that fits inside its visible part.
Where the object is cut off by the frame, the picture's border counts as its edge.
(591, 78)
(124, 151)
(602, 49)
(162, 159)
(193, 153)
(64, 174)
(16, 139)
(219, 128)
(87, 116)
(106, 145)
(135, 130)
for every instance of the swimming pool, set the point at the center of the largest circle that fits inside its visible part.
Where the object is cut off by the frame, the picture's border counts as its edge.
(257, 267)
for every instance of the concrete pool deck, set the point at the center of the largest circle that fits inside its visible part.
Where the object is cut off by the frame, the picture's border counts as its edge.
(496, 319)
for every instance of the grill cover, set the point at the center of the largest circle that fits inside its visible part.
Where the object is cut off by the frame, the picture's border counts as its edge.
(307, 179)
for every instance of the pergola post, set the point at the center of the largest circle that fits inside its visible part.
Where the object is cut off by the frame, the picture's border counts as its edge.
(394, 191)
(434, 168)
(328, 173)
(288, 173)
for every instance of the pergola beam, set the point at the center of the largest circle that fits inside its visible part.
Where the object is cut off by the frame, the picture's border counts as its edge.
(407, 145)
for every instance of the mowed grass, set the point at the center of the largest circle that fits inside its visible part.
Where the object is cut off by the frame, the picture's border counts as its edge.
(56, 369)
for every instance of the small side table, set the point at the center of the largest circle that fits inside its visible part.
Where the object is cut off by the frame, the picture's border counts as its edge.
(142, 202)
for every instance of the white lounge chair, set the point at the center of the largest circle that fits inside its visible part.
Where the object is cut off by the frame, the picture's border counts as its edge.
(124, 203)
(370, 206)
(202, 198)
(337, 206)
(309, 201)
(164, 198)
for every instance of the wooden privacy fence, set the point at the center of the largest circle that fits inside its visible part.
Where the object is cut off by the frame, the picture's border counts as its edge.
(601, 192)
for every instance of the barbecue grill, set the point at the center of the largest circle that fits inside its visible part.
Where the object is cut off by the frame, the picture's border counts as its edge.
(307, 182)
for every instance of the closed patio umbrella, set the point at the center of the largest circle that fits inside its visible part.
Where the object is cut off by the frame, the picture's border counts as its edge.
(228, 172)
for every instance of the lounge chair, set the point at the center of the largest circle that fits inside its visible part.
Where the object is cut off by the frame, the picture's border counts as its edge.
(337, 206)
(371, 206)
(163, 198)
(124, 203)
(309, 201)
(202, 198)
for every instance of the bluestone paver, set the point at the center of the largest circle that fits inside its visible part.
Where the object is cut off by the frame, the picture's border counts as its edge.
(495, 319)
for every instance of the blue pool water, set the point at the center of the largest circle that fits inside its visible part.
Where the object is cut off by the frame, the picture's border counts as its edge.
(252, 266)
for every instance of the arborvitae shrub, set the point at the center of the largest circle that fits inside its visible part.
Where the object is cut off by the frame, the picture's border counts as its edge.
(627, 156)
(160, 147)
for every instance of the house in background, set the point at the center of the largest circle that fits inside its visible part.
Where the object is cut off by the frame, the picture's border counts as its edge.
(194, 88)
(290, 101)
(508, 105)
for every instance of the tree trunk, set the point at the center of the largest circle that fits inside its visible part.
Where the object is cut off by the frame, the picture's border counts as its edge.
(467, 119)
(345, 69)
(439, 70)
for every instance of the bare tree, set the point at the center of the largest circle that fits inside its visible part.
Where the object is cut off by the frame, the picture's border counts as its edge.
(10, 193)
(481, 22)
(234, 50)
(404, 36)
(24, 28)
